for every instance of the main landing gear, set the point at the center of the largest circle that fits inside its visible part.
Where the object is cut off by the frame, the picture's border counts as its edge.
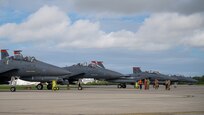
(79, 84)
(13, 84)
(122, 85)
(49, 86)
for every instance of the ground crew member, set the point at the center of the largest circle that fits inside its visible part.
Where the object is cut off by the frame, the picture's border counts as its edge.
(54, 85)
(136, 85)
(169, 84)
(140, 84)
(166, 84)
(156, 84)
(148, 83)
(145, 84)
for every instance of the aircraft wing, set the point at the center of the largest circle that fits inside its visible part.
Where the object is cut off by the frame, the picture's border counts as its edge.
(7, 71)
(77, 76)
(127, 79)
(123, 80)
(5, 75)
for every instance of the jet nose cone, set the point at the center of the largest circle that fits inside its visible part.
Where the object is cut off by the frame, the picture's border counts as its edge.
(194, 81)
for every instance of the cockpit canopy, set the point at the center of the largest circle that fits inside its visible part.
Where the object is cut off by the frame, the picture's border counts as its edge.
(152, 72)
(21, 58)
(17, 56)
(85, 64)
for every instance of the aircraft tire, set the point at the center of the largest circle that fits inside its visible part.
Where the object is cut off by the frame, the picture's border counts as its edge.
(124, 86)
(49, 86)
(57, 88)
(80, 88)
(13, 89)
(39, 86)
(119, 86)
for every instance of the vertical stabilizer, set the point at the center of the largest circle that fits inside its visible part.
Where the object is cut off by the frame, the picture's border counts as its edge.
(4, 53)
(98, 63)
(136, 70)
(18, 55)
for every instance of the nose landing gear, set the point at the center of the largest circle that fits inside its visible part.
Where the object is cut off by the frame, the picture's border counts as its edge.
(79, 84)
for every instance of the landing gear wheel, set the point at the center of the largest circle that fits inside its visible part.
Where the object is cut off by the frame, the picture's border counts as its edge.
(80, 88)
(39, 86)
(13, 89)
(49, 86)
(124, 86)
(56, 88)
(119, 86)
(79, 84)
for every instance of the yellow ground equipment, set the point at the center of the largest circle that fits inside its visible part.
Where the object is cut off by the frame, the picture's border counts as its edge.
(54, 85)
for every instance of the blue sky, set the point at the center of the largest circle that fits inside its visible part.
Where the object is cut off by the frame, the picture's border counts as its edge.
(162, 36)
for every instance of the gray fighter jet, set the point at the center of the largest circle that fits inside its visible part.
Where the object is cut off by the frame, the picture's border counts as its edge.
(23, 67)
(140, 75)
(94, 70)
(97, 71)
(79, 71)
(152, 75)
(183, 79)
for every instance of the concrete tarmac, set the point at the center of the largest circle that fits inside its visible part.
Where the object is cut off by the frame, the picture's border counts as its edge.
(99, 100)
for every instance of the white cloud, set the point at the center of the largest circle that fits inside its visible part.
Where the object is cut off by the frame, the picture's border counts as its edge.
(196, 41)
(46, 23)
(130, 7)
(101, 7)
(51, 27)
(170, 29)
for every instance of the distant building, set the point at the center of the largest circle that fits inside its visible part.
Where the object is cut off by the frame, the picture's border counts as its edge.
(87, 80)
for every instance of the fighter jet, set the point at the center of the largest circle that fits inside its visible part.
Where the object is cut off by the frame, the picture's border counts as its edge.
(23, 67)
(183, 79)
(152, 75)
(140, 75)
(79, 71)
(94, 70)
(97, 71)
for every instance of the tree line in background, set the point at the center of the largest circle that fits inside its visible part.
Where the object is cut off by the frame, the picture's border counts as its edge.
(200, 79)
